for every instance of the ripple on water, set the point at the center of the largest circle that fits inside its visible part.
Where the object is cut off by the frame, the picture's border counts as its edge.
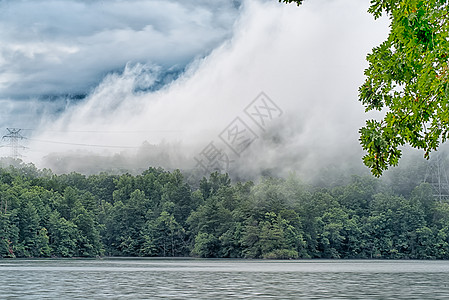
(222, 279)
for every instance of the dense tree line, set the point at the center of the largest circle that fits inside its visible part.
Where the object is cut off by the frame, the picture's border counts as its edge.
(157, 213)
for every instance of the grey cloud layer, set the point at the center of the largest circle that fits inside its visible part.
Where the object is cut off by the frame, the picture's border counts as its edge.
(66, 47)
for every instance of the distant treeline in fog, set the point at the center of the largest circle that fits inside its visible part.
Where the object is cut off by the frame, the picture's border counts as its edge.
(161, 213)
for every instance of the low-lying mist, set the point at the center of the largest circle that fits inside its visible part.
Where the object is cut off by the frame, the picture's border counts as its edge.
(307, 60)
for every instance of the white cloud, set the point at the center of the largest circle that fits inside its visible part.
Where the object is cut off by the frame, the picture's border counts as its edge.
(309, 60)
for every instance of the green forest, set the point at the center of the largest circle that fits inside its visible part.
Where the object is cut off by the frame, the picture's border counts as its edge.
(160, 214)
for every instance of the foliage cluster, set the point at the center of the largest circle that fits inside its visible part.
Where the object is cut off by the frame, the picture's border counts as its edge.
(408, 78)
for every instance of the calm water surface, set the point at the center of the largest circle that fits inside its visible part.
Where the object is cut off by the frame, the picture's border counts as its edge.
(223, 279)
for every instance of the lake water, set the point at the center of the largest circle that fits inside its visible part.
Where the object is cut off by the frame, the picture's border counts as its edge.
(222, 279)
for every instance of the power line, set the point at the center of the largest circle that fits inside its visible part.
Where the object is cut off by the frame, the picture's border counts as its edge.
(107, 131)
(14, 135)
(84, 145)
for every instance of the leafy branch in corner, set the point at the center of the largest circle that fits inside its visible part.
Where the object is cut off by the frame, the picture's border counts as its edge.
(407, 78)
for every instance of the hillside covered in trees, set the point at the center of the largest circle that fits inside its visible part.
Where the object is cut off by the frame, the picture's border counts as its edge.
(158, 213)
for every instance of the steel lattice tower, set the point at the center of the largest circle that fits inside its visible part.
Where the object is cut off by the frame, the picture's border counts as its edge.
(436, 176)
(14, 136)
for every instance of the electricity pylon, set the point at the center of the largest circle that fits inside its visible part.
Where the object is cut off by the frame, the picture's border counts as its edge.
(436, 176)
(14, 136)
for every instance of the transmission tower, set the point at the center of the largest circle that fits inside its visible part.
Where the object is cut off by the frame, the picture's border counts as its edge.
(14, 136)
(436, 176)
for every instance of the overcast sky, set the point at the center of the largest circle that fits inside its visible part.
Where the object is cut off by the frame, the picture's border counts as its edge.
(55, 47)
(50, 49)
(118, 73)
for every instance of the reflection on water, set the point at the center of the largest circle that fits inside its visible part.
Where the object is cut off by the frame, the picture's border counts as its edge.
(222, 279)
